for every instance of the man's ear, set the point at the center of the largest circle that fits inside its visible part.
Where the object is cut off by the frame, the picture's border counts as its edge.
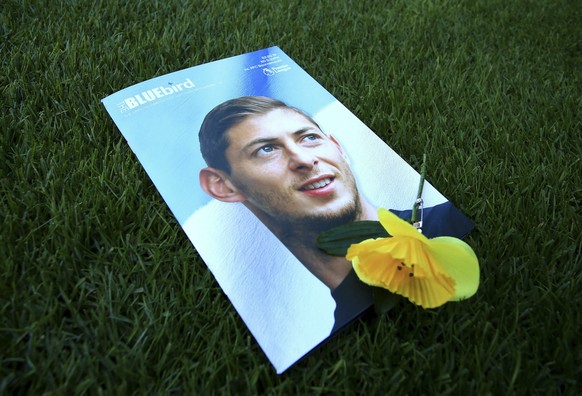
(216, 183)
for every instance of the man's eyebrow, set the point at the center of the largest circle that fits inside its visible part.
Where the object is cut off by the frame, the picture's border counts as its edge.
(262, 140)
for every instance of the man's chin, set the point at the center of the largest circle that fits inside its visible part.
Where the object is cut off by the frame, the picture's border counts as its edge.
(320, 222)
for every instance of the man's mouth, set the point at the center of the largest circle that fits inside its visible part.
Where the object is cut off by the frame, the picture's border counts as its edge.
(317, 184)
(322, 186)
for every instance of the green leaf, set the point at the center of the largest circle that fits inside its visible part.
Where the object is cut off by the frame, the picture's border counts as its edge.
(337, 240)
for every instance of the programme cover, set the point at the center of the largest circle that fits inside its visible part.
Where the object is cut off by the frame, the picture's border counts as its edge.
(245, 218)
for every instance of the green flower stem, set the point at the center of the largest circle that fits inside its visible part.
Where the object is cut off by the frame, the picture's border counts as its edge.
(414, 217)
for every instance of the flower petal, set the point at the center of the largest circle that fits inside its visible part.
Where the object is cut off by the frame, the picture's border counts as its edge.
(398, 227)
(459, 261)
(399, 248)
(430, 292)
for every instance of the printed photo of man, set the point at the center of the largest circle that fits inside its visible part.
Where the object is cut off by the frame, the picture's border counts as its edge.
(291, 175)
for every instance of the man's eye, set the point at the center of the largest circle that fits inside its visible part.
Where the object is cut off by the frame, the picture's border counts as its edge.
(311, 137)
(269, 148)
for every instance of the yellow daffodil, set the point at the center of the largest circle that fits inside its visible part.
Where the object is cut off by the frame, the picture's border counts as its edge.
(429, 272)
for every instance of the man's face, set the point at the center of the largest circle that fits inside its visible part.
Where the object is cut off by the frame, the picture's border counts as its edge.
(290, 171)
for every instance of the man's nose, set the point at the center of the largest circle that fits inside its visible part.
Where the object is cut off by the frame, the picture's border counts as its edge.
(302, 159)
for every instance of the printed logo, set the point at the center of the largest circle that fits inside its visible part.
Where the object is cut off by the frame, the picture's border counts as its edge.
(153, 94)
(268, 71)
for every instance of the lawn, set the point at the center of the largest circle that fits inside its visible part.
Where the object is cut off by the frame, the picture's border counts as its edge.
(101, 292)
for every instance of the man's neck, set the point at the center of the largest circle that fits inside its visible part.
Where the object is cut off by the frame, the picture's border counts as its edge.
(331, 270)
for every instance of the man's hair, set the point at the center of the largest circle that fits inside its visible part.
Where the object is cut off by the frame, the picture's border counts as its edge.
(213, 134)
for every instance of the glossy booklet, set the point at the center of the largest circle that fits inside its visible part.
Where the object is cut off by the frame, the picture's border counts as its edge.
(283, 160)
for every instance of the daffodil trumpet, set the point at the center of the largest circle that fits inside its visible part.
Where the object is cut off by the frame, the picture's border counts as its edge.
(428, 272)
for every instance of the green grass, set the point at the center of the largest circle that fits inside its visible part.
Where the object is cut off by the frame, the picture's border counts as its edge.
(102, 293)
